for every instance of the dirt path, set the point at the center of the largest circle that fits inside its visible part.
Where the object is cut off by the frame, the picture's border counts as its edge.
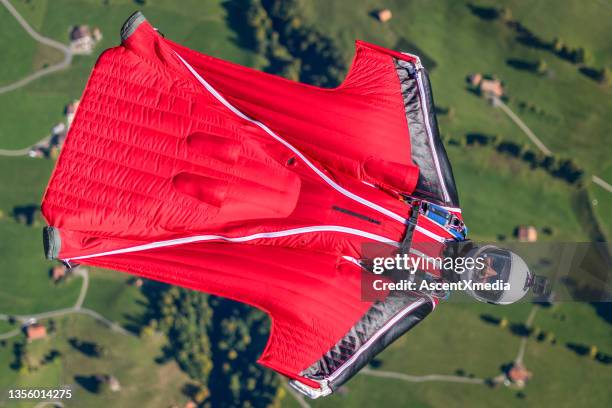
(16, 152)
(499, 103)
(25, 151)
(58, 313)
(450, 378)
(421, 378)
(9, 334)
(83, 273)
(65, 63)
(523, 346)
(536, 140)
(77, 308)
(602, 183)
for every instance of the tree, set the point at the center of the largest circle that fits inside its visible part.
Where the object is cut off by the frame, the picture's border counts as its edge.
(605, 76)
(531, 158)
(568, 170)
(557, 45)
(541, 67)
(579, 55)
(292, 70)
(241, 333)
(186, 318)
(277, 33)
(505, 14)
(216, 342)
(547, 163)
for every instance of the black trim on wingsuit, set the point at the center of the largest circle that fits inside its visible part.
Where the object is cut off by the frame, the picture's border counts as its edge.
(429, 185)
(369, 336)
(131, 24)
(52, 242)
(353, 352)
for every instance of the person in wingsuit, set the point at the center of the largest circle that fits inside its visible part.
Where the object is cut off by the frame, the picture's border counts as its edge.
(198, 172)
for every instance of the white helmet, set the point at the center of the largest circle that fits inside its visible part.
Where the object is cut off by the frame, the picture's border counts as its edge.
(507, 268)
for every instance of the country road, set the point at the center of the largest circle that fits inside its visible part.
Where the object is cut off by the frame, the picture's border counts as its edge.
(602, 183)
(421, 378)
(15, 153)
(497, 102)
(83, 273)
(523, 346)
(450, 378)
(22, 152)
(9, 334)
(58, 313)
(299, 398)
(68, 59)
(65, 63)
(76, 309)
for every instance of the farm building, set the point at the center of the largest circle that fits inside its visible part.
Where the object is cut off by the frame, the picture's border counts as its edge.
(35, 331)
(83, 40)
(527, 233)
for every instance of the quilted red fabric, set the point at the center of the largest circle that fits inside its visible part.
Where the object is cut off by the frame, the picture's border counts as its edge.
(198, 172)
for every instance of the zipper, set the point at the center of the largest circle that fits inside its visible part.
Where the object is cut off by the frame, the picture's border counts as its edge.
(288, 145)
(372, 339)
(425, 112)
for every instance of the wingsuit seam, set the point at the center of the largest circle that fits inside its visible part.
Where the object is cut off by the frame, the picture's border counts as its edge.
(389, 213)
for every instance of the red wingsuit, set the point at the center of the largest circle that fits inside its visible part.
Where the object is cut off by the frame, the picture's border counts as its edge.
(191, 170)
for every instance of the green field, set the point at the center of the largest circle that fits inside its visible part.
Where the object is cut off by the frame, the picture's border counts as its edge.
(28, 113)
(27, 116)
(130, 359)
(22, 58)
(26, 287)
(461, 43)
(480, 349)
(602, 207)
(497, 194)
(128, 303)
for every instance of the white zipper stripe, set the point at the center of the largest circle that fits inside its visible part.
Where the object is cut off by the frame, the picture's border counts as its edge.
(261, 235)
(266, 129)
(430, 234)
(353, 260)
(375, 337)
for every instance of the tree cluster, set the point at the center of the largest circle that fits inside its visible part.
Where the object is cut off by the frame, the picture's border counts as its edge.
(24, 362)
(563, 168)
(216, 342)
(526, 106)
(293, 49)
(575, 54)
(591, 351)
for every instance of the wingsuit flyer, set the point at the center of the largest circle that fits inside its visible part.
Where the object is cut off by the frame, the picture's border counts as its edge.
(265, 203)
